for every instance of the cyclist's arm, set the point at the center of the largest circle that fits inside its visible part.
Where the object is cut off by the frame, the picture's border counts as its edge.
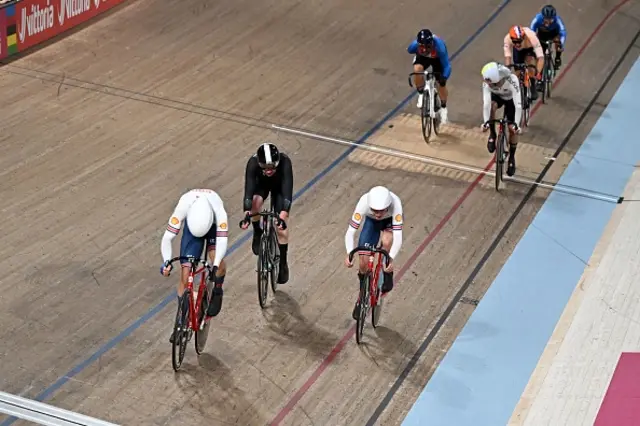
(536, 22)
(537, 49)
(287, 184)
(486, 102)
(562, 30)
(508, 49)
(222, 228)
(396, 227)
(174, 226)
(517, 98)
(443, 55)
(413, 47)
(354, 223)
(251, 172)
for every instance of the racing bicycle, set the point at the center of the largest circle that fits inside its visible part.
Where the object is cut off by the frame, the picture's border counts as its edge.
(192, 308)
(269, 253)
(430, 104)
(370, 287)
(502, 147)
(549, 70)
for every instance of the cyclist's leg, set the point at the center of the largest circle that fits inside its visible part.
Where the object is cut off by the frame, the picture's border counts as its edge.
(529, 58)
(261, 194)
(510, 112)
(216, 299)
(283, 237)
(442, 88)
(189, 246)
(517, 60)
(559, 49)
(387, 240)
(496, 103)
(419, 65)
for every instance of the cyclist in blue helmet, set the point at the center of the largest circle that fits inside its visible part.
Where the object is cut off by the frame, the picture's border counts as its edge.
(549, 26)
(431, 51)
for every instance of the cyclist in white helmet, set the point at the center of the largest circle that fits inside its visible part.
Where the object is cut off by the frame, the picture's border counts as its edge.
(501, 87)
(203, 212)
(383, 211)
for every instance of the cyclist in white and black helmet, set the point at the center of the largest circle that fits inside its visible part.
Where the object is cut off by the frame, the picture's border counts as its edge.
(269, 172)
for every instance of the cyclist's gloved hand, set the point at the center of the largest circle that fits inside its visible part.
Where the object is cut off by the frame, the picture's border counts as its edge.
(244, 223)
(212, 273)
(166, 268)
(516, 129)
(484, 126)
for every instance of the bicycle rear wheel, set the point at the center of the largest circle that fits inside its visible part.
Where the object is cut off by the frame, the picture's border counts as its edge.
(499, 160)
(549, 75)
(203, 334)
(274, 259)
(263, 272)
(377, 309)
(180, 331)
(364, 308)
(437, 106)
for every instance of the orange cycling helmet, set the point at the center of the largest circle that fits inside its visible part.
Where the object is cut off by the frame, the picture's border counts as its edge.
(516, 33)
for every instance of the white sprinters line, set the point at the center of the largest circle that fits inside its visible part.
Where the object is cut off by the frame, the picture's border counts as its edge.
(582, 192)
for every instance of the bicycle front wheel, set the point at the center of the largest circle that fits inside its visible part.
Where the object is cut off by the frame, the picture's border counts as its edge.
(181, 331)
(525, 106)
(263, 272)
(364, 304)
(426, 118)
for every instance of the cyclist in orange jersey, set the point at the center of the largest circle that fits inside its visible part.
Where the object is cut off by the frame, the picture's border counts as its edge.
(522, 45)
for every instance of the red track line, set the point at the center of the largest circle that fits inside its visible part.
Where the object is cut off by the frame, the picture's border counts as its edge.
(295, 398)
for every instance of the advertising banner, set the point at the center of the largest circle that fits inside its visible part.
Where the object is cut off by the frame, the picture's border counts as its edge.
(3, 34)
(39, 20)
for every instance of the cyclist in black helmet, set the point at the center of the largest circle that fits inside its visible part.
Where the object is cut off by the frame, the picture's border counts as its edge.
(429, 50)
(269, 172)
(548, 26)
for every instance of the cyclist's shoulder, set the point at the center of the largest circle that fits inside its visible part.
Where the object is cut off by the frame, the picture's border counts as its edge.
(439, 41)
(397, 202)
(285, 161)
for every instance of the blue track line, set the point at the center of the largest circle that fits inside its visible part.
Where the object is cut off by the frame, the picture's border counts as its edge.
(45, 394)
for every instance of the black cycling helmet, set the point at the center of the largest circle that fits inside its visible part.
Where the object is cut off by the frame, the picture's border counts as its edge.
(548, 12)
(268, 155)
(425, 37)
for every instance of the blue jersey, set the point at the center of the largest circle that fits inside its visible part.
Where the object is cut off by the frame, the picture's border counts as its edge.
(439, 51)
(557, 25)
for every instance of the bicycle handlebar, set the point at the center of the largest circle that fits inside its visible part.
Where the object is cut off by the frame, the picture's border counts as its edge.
(190, 259)
(265, 213)
(382, 251)
(499, 120)
(428, 74)
(522, 66)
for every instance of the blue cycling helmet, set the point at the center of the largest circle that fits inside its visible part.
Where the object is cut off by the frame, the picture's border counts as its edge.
(425, 37)
(548, 12)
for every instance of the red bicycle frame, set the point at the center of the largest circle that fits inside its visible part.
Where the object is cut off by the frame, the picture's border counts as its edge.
(194, 311)
(373, 283)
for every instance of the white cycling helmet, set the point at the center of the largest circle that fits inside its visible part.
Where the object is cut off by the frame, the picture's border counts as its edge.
(379, 198)
(491, 73)
(200, 217)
